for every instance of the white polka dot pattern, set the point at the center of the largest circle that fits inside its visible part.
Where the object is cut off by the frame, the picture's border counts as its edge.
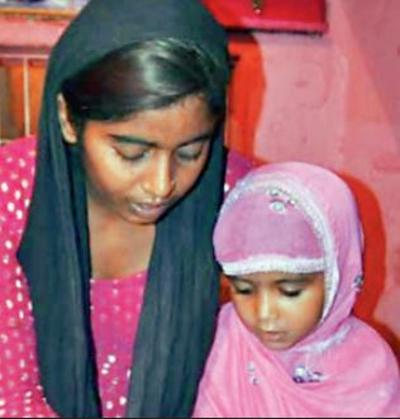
(20, 392)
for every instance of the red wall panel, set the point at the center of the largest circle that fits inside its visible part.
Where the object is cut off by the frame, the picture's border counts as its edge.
(287, 15)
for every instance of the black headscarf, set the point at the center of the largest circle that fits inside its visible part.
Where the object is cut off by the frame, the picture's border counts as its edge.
(178, 316)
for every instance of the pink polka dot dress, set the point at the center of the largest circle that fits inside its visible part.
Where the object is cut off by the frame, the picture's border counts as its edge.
(116, 303)
(116, 306)
(20, 391)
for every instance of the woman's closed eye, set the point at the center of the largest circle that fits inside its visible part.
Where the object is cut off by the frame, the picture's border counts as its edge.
(133, 155)
(190, 152)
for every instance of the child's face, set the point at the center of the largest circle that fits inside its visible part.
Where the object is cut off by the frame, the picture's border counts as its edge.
(279, 308)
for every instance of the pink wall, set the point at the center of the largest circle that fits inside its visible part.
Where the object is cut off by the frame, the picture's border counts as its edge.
(335, 101)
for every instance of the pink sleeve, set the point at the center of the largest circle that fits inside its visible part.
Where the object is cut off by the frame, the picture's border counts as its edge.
(20, 391)
(237, 167)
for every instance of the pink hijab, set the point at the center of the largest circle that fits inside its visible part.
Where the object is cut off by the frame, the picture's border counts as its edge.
(298, 218)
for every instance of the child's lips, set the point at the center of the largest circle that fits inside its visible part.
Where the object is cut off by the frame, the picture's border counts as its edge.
(273, 335)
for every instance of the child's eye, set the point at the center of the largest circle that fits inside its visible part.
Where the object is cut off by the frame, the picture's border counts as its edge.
(242, 287)
(243, 290)
(291, 293)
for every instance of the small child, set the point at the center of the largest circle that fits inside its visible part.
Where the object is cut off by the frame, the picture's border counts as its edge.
(290, 242)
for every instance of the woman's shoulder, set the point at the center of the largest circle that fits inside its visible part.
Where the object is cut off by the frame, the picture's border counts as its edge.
(365, 367)
(22, 145)
(237, 167)
(17, 169)
(17, 158)
(359, 347)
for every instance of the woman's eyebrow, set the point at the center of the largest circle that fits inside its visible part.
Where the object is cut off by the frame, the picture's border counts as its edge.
(127, 139)
(198, 139)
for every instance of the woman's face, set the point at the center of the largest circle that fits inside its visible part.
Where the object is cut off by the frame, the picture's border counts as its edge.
(279, 308)
(139, 167)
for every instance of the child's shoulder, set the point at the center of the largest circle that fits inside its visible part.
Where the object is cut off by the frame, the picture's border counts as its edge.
(225, 321)
(362, 355)
(369, 341)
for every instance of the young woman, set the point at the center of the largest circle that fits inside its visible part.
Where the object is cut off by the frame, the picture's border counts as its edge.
(106, 228)
(289, 240)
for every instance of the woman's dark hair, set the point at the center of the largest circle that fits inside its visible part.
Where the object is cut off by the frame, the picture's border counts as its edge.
(142, 76)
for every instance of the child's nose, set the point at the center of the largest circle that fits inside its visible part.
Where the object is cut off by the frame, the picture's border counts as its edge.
(267, 308)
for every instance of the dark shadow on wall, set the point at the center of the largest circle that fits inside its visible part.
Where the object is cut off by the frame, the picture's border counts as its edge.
(374, 259)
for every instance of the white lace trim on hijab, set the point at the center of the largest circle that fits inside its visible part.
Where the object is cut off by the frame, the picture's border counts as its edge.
(269, 263)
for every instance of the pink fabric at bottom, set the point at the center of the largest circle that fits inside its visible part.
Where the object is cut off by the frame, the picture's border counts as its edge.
(116, 307)
(244, 379)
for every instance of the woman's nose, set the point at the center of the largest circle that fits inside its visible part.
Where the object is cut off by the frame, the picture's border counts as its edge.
(160, 181)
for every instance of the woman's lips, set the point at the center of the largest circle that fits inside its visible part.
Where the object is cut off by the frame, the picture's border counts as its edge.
(149, 210)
